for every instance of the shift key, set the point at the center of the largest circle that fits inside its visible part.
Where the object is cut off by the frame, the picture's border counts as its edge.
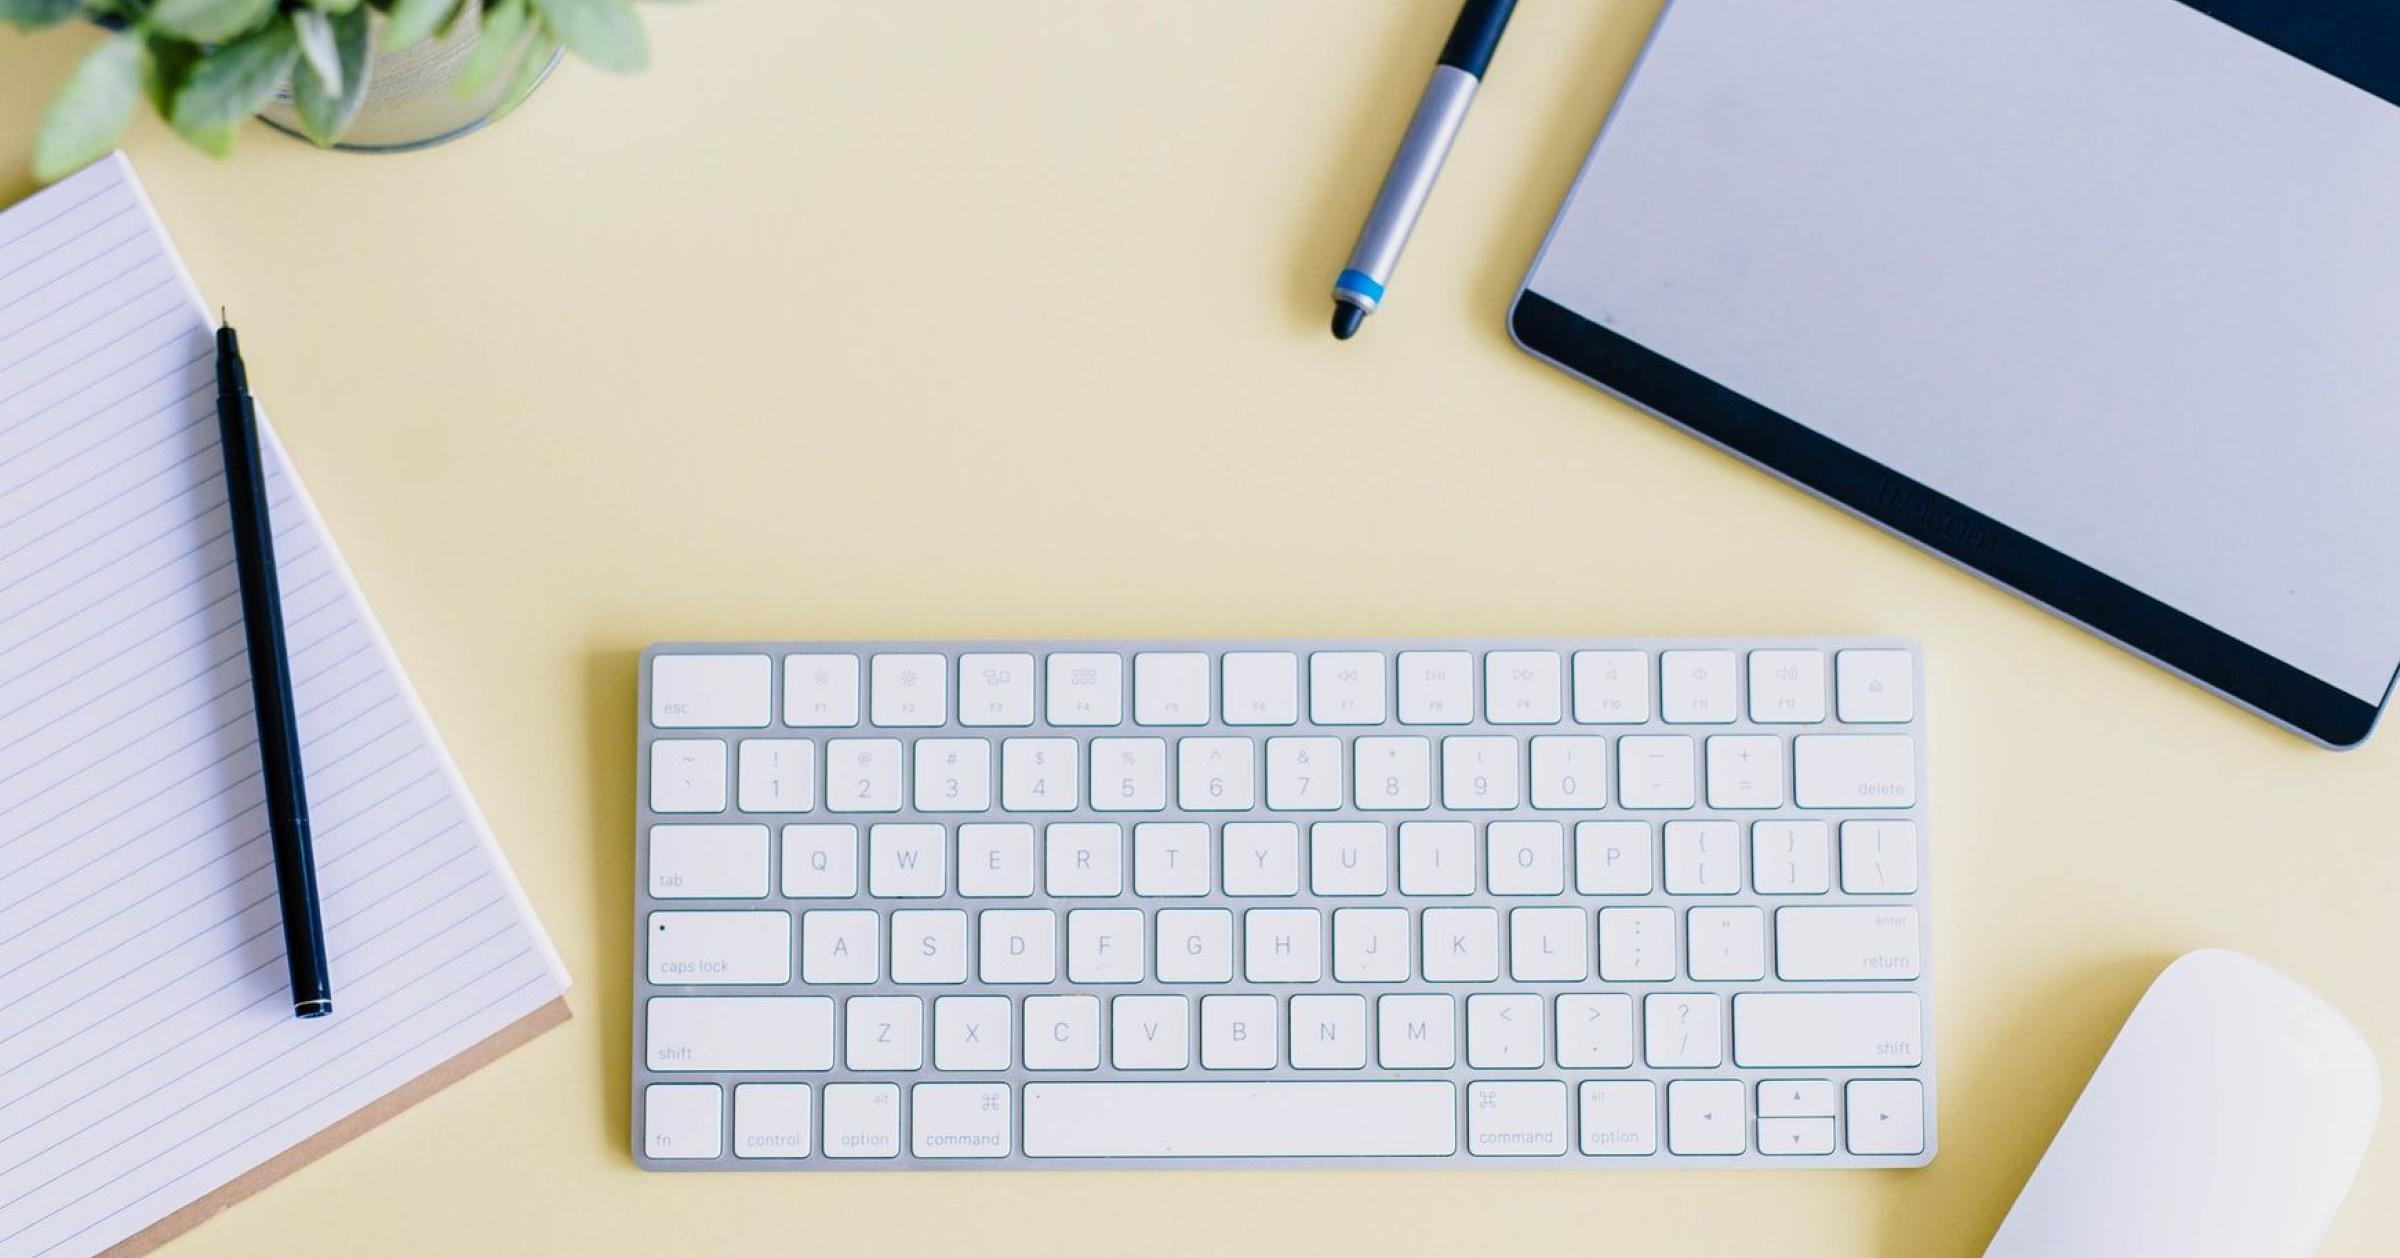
(1877, 943)
(1819, 1029)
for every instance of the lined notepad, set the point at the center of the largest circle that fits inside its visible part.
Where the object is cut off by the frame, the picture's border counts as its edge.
(148, 1056)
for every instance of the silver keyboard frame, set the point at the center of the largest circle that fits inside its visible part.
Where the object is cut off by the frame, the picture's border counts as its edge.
(1841, 1158)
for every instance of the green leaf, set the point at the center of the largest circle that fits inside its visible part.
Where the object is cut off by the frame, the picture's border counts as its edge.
(91, 112)
(500, 40)
(33, 14)
(163, 71)
(230, 84)
(412, 20)
(529, 73)
(326, 114)
(210, 21)
(606, 33)
(336, 7)
(315, 33)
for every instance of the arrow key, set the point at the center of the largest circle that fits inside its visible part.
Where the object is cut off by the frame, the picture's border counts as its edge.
(1795, 1098)
(1795, 1137)
(1704, 1116)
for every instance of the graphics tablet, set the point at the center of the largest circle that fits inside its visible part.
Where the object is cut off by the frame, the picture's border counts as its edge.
(2100, 298)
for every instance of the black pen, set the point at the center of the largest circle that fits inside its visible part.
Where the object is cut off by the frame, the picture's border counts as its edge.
(271, 685)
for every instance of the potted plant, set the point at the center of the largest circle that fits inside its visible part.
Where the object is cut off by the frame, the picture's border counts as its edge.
(314, 66)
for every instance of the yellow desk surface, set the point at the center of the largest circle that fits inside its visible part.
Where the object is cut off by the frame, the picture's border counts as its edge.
(984, 320)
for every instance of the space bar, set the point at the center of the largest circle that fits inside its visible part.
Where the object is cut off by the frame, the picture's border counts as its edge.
(1240, 1120)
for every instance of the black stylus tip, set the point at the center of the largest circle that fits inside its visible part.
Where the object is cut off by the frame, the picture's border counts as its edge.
(1346, 318)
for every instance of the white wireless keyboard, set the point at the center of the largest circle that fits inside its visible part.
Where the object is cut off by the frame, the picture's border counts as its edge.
(1601, 903)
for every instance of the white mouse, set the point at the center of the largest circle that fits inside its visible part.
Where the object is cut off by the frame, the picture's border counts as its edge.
(2225, 1122)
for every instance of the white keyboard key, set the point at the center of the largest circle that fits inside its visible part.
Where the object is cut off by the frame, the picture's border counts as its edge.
(1216, 774)
(1304, 774)
(1795, 1098)
(1283, 945)
(1795, 1137)
(1349, 858)
(1855, 771)
(1084, 859)
(995, 859)
(1417, 1031)
(959, 1120)
(1062, 1033)
(995, 690)
(1595, 1032)
(1241, 1120)
(1550, 945)
(1195, 946)
(1437, 687)
(1637, 945)
(884, 1032)
(710, 691)
(1017, 945)
(1261, 687)
(772, 1120)
(1612, 858)
(1871, 942)
(1393, 773)
(1262, 858)
(1879, 1029)
(1104, 946)
(1612, 687)
(1570, 771)
(1170, 858)
(840, 946)
(1726, 945)
(1150, 1032)
(777, 775)
(1887, 1116)
(1521, 687)
(1346, 688)
(739, 1033)
(720, 947)
(1087, 688)
(1504, 1031)
(1516, 1120)
(1619, 1119)
(1879, 857)
(1704, 1117)
(683, 1120)
(1683, 1029)
(1129, 774)
(1038, 774)
(1329, 1032)
(907, 861)
(1437, 857)
(1745, 771)
(1654, 771)
(1525, 857)
(820, 862)
(1790, 858)
(972, 1033)
(1238, 1032)
(929, 946)
(708, 862)
(1703, 857)
(1697, 687)
(954, 775)
(1370, 945)
(1875, 687)
(862, 1120)
(820, 691)
(908, 690)
(862, 775)
(687, 775)
(1787, 687)
(1171, 688)
(1462, 945)
(1479, 772)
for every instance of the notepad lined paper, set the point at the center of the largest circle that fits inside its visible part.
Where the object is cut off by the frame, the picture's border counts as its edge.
(148, 1055)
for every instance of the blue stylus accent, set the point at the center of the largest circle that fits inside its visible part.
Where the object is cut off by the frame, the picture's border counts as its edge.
(1357, 282)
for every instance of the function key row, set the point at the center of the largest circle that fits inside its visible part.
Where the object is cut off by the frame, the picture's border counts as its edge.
(1786, 686)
